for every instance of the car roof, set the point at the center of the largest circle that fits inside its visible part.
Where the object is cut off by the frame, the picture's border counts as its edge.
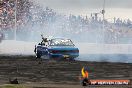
(57, 38)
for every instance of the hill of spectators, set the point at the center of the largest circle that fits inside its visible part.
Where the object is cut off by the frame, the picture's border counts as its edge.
(33, 20)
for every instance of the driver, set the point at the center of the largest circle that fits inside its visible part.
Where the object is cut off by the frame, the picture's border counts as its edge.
(44, 41)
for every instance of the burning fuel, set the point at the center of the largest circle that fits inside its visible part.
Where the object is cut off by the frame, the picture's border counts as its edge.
(85, 77)
(84, 73)
(86, 81)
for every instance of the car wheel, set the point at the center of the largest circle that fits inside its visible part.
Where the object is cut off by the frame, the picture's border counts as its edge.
(46, 57)
(38, 55)
(71, 59)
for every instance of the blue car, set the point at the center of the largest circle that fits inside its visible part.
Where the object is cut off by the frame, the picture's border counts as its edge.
(56, 48)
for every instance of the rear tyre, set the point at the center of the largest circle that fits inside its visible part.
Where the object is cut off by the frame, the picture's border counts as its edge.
(46, 57)
(71, 59)
(38, 55)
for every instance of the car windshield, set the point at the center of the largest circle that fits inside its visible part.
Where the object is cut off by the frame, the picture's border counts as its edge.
(61, 42)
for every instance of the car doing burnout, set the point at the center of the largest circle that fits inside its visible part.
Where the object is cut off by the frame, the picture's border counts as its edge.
(57, 48)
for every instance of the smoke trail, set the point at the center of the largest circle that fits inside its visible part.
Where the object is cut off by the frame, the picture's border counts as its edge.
(37, 20)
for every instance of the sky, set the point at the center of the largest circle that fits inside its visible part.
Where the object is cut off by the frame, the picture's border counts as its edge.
(114, 8)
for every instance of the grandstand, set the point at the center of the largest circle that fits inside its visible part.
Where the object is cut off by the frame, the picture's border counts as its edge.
(32, 20)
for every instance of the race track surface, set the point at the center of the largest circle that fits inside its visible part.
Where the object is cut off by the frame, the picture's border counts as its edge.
(31, 71)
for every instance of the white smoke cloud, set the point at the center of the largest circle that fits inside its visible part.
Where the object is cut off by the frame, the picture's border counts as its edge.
(86, 3)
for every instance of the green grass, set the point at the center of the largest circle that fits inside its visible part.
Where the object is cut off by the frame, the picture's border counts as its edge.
(12, 86)
(57, 86)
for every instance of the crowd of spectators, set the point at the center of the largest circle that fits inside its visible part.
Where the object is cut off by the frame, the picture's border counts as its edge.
(32, 20)
(6, 14)
(10, 8)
